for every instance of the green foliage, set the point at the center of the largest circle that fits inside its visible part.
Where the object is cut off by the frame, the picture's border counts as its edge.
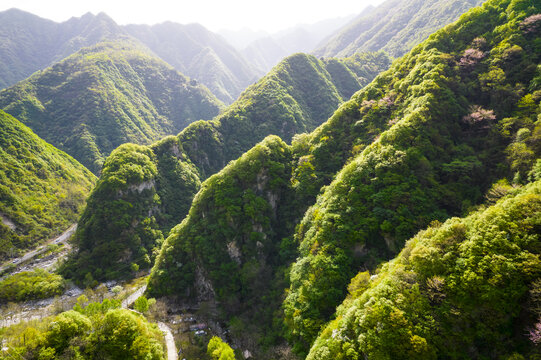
(126, 335)
(444, 146)
(42, 189)
(395, 26)
(229, 247)
(31, 285)
(116, 236)
(142, 304)
(217, 349)
(104, 96)
(353, 73)
(423, 142)
(95, 331)
(455, 291)
(116, 227)
(65, 327)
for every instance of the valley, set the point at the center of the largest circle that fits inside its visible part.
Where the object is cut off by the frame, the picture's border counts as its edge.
(167, 195)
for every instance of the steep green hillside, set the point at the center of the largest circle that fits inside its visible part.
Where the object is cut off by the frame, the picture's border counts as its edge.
(143, 189)
(465, 289)
(394, 26)
(30, 43)
(228, 249)
(104, 96)
(200, 54)
(461, 111)
(423, 142)
(42, 189)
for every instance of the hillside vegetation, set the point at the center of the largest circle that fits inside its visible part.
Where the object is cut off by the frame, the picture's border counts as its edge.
(456, 123)
(104, 96)
(42, 189)
(144, 191)
(403, 223)
(395, 26)
(31, 43)
(467, 288)
(92, 330)
(424, 141)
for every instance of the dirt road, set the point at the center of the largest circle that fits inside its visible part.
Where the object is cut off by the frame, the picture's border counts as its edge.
(131, 299)
(169, 341)
(29, 255)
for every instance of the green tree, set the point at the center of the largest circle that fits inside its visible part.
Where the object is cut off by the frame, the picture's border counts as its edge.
(217, 349)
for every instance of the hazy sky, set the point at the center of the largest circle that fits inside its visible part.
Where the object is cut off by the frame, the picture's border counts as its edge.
(269, 15)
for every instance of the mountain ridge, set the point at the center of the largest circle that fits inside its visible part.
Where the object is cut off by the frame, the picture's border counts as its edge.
(283, 102)
(38, 43)
(106, 95)
(394, 26)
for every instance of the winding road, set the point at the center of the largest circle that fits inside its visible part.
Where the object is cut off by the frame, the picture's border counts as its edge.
(134, 296)
(126, 303)
(169, 341)
(61, 239)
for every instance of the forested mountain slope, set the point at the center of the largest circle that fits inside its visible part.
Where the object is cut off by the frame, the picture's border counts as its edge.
(462, 110)
(30, 43)
(423, 142)
(395, 26)
(161, 180)
(467, 288)
(200, 54)
(107, 95)
(42, 189)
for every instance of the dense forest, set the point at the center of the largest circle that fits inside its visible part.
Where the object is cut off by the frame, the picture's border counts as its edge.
(106, 95)
(467, 288)
(162, 179)
(423, 142)
(351, 207)
(42, 189)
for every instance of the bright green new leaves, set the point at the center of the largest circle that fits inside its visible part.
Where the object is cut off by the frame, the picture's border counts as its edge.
(126, 335)
(231, 248)
(31, 285)
(142, 190)
(118, 231)
(42, 189)
(217, 349)
(455, 291)
(95, 331)
(447, 133)
(231, 231)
